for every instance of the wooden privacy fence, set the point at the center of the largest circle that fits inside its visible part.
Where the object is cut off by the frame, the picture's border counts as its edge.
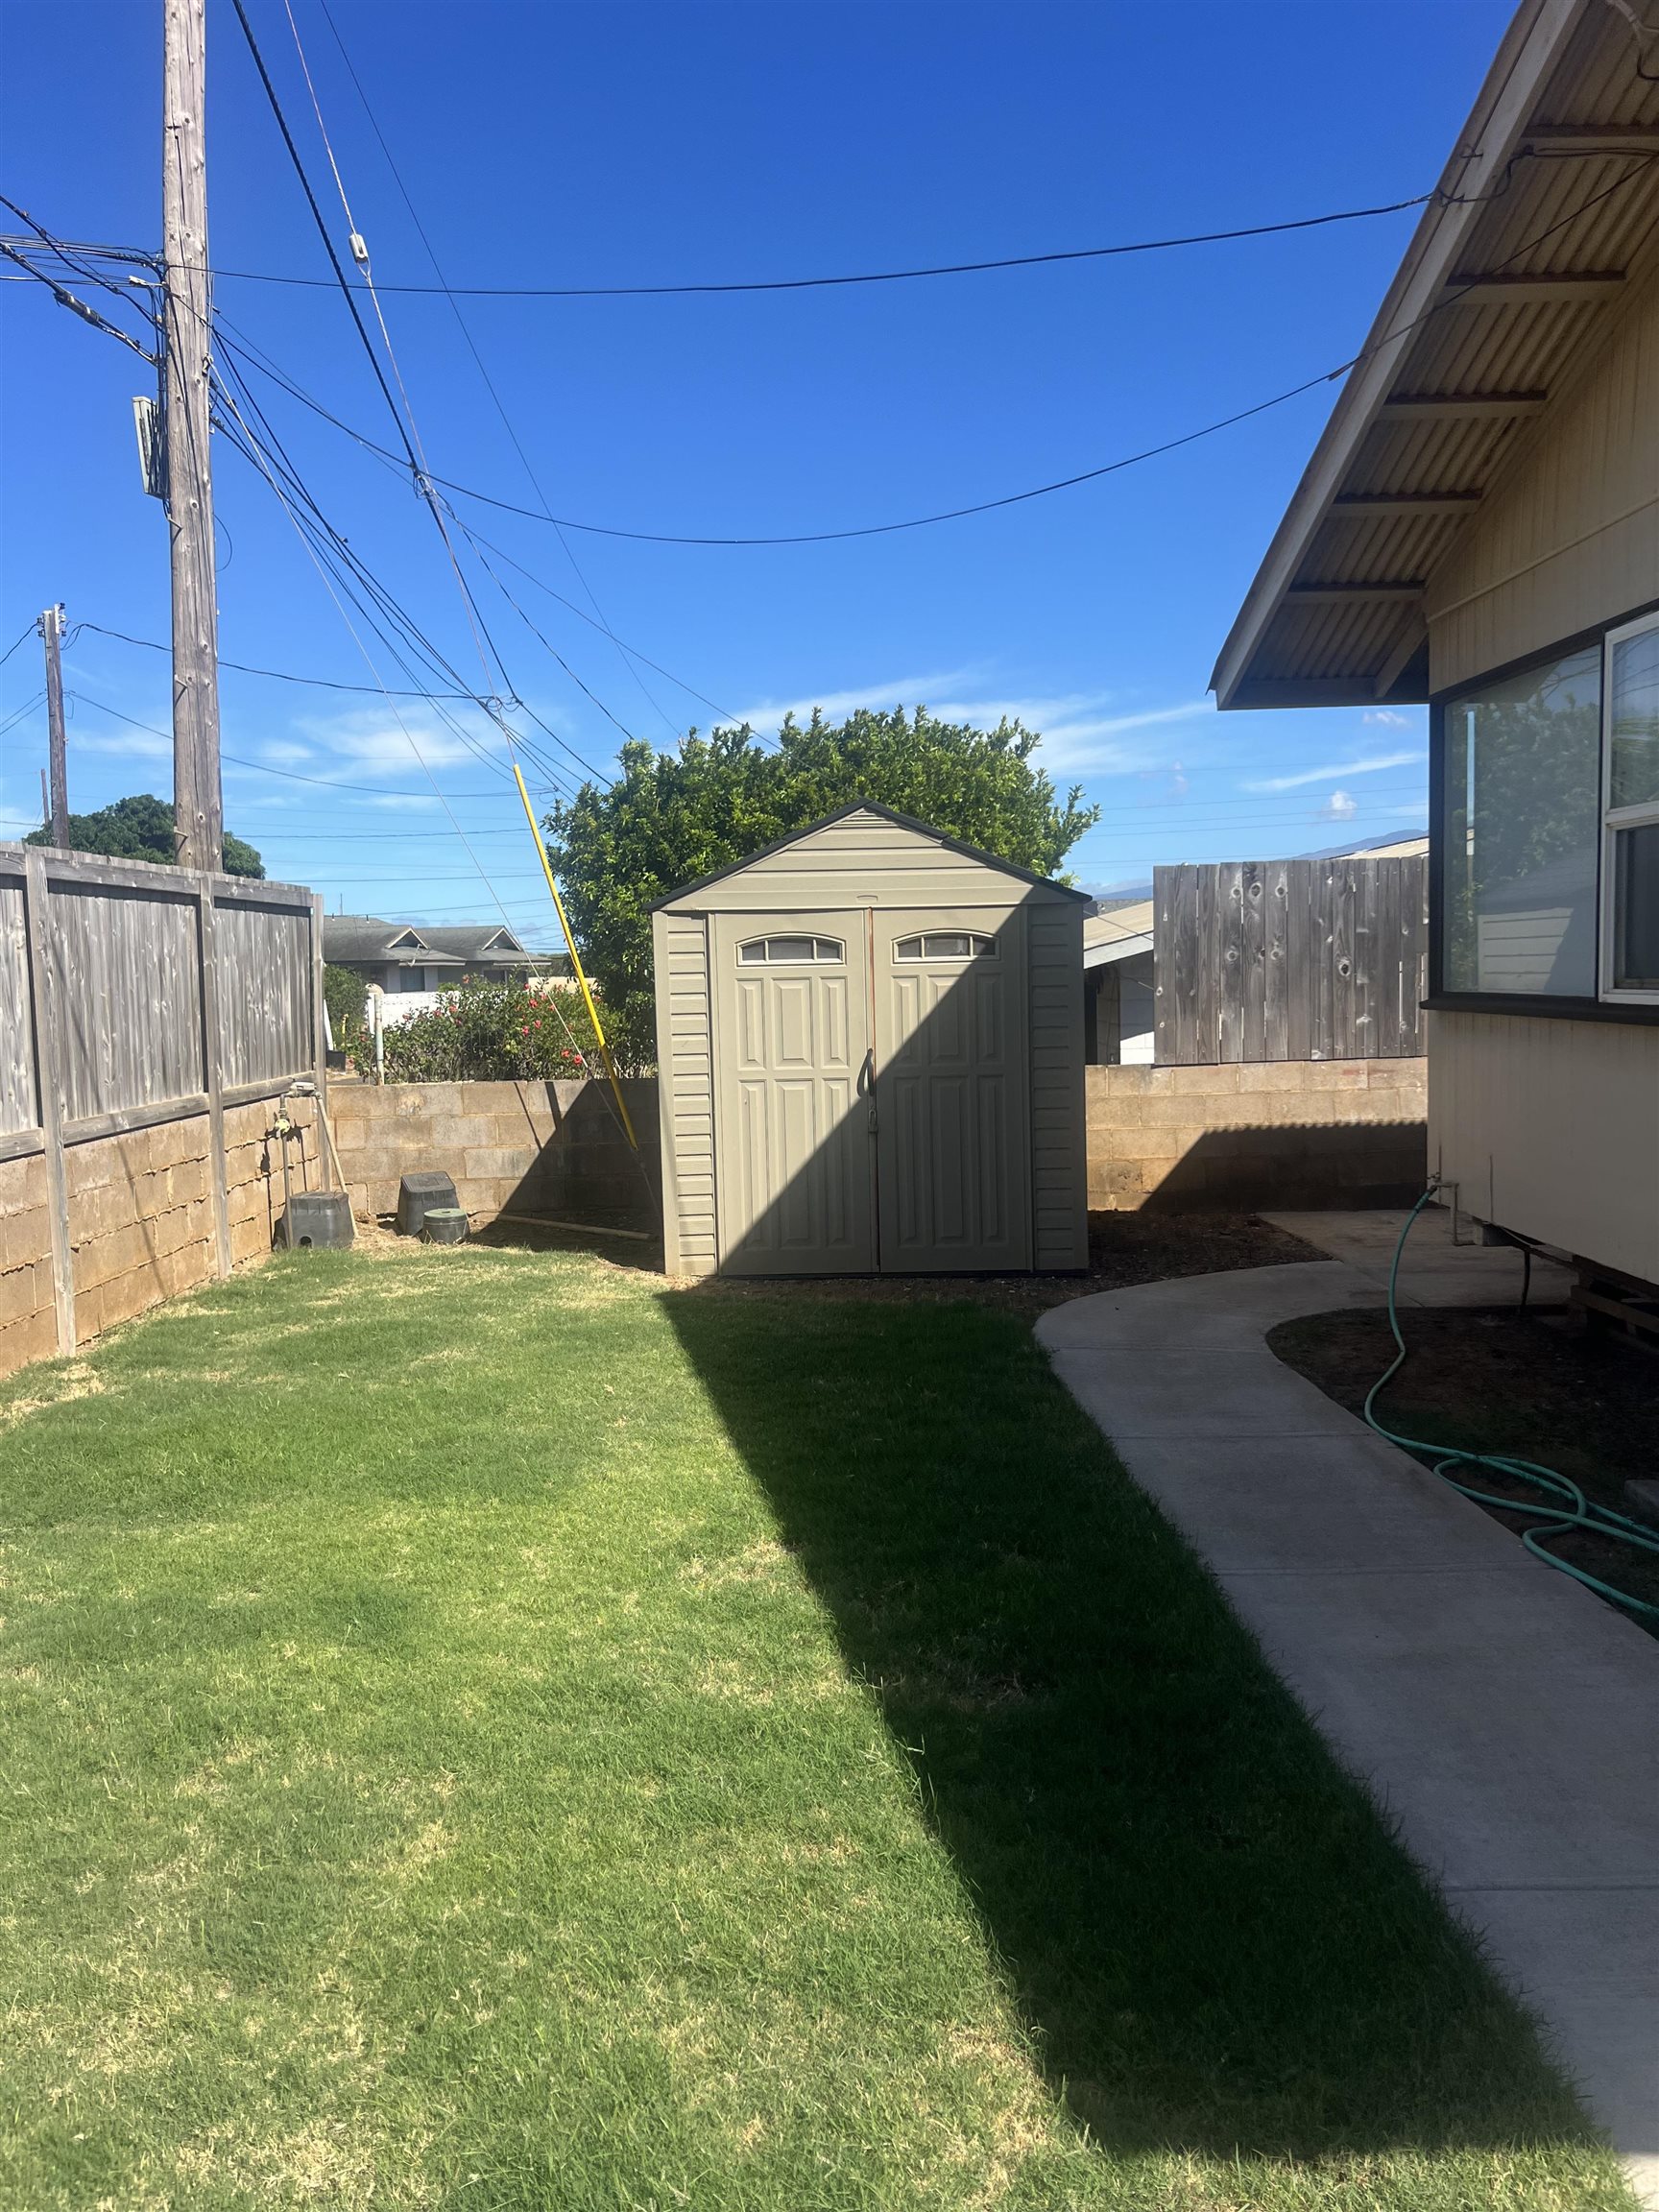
(1290, 960)
(134, 997)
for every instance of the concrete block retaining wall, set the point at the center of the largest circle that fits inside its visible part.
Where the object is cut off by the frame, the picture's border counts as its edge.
(1287, 1132)
(1272, 1133)
(549, 1149)
(141, 1223)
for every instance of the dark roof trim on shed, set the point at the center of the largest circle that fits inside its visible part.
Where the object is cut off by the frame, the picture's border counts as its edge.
(886, 814)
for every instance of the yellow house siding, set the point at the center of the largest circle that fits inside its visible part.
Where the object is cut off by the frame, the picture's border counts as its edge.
(1568, 537)
(1551, 1128)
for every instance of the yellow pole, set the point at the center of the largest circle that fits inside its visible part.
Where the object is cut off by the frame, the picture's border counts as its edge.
(575, 958)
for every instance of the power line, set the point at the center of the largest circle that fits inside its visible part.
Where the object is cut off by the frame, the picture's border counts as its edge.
(27, 632)
(496, 401)
(410, 436)
(257, 359)
(263, 767)
(76, 306)
(871, 275)
(329, 548)
(277, 675)
(1449, 299)
(341, 550)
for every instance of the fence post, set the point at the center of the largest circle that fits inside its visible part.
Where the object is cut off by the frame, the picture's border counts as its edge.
(213, 1074)
(48, 1076)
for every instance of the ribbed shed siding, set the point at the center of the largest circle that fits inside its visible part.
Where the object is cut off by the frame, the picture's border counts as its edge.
(685, 1063)
(1059, 1219)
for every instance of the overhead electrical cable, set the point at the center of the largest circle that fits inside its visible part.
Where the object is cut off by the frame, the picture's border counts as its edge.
(1213, 429)
(466, 330)
(392, 706)
(76, 306)
(408, 434)
(704, 290)
(277, 675)
(355, 578)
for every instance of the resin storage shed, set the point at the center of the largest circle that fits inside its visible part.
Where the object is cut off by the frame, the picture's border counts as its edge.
(870, 1045)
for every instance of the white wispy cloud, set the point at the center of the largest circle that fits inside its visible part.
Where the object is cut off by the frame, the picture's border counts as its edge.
(1325, 774)
(1077, 737)
(1386, 718)
(123, 744)
(1078, 730)
(367, 743)
(902, 692)
(1340, 806)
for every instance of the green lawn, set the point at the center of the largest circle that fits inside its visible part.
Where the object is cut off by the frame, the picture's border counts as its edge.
(482, 1732)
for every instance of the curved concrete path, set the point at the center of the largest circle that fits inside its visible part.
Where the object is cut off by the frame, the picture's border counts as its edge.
(1504, 1718)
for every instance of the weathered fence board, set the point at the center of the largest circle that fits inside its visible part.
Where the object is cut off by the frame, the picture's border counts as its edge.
(265, 991)
(20, 1102)
(125, 996)
(1290, 960)
(131, 995)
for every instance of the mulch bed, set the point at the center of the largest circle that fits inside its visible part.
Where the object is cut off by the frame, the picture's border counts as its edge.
(1526, 1384)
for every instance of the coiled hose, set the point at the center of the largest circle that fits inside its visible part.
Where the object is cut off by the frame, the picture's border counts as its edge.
(1570, 1507)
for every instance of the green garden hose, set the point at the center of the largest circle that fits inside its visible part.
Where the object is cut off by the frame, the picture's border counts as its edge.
(1572, 1509)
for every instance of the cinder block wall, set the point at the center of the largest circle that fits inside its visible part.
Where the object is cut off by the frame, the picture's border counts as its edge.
(550, 1150)
(28, 1316)
(141, 1224)
(1292, 1133)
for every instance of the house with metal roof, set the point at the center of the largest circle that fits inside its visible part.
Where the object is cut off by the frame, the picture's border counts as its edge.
(399, 957)
(1479, 529)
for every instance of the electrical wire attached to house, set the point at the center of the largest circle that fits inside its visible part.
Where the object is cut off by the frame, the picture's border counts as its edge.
(1562, 1506)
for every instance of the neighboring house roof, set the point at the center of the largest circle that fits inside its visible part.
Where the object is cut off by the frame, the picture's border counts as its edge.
(1386, 849)
(1118, 934)
(1503, 292)
(363, 937)
(887, 814)
(479, 941)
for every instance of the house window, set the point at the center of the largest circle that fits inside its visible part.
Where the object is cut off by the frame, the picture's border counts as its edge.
(1520, 831)
(1631, 866)
(790, 951)
(945, 944)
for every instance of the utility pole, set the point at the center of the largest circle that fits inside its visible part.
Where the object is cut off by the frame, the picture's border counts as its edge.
(51, 627)
(197, 812)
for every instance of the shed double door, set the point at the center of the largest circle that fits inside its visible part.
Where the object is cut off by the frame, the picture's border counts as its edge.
(870, 1092)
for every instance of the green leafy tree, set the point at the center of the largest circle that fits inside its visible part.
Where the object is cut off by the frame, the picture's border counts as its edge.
(140, 827)
(673, 816)
(345, 994)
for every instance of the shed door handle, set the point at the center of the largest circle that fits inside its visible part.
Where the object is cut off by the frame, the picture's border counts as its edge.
(867, 1084)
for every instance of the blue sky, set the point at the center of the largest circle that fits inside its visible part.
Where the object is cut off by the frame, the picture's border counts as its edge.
(652, 144)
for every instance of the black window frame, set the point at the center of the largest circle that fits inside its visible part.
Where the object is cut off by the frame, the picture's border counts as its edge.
(1543, 1005)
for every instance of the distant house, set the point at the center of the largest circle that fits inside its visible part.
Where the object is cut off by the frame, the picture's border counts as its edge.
(399, 957)
(1478, 528)
(1118, 984)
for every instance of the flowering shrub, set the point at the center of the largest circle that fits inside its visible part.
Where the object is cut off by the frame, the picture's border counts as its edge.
(492, 1033)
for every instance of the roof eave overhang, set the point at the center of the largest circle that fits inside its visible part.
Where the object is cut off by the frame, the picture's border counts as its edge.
(1123, 949)
(1531, 49)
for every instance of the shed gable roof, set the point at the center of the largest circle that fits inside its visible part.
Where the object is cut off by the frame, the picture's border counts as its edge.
(921, 831)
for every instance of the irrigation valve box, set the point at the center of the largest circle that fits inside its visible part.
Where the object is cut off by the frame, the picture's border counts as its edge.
(318, 1218)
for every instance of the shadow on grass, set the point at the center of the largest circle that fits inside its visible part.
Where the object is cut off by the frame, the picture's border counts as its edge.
(1215, 1943)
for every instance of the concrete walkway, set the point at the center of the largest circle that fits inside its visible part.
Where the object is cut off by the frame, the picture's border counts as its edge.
(1505, 1719)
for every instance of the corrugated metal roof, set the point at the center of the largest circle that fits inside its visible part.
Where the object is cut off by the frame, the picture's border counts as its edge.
(1523, 202)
